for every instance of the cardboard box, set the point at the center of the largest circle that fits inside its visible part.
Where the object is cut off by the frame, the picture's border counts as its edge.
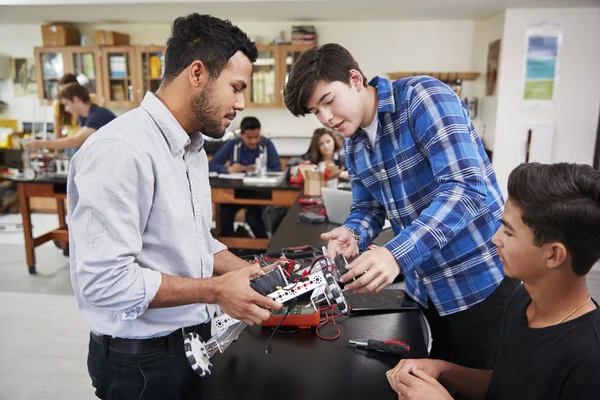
(314, 181)
(110, 38)
(60, 35)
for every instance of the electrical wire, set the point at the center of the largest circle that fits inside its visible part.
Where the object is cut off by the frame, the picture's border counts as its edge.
(324, 321)
(269, 348)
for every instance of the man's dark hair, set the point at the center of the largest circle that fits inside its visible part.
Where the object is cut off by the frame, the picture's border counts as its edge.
(329, 63)
(560, 202)
(73, 90)
(67, 78)
(249, 123)
(205, 38)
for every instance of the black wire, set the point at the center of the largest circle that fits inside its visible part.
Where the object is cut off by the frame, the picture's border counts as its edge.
(269, 348)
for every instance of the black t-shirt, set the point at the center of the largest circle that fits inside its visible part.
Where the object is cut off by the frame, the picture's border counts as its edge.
(98, 117)
(556, 362)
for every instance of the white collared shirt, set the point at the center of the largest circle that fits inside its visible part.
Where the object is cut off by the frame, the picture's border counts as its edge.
(139, 204)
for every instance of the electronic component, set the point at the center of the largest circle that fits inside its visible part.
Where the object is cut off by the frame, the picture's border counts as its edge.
(302, 316)
(322, 283)
(394, 347)
(269, 282)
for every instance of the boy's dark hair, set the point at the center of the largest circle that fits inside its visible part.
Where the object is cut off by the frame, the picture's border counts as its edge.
(73, 90)
(560, 202)
(67, 78)
(249, 123)
(329, 63)
(208, 39)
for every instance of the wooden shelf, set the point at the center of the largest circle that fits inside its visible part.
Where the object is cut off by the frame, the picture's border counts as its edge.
(442, 76)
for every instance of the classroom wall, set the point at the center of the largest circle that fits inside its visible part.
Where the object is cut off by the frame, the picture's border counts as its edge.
(380, 47)
(574, 112)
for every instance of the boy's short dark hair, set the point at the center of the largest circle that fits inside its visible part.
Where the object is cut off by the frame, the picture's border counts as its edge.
(249, 123)
(560, 202)
(208, 39)
(329, 63)
(67, 78)
(73, 90)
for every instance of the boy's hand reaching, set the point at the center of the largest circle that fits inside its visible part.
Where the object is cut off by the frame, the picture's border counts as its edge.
(374, 270)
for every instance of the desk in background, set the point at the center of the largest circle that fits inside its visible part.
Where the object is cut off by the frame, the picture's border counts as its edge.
(55, 188)
(233, 191)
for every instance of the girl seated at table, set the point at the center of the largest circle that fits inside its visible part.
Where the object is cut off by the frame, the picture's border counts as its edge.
(324, 149)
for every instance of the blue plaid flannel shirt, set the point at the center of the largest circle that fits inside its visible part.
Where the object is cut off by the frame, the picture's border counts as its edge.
(429, 172)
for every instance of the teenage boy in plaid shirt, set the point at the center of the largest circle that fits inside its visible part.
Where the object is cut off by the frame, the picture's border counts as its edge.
(413, 156)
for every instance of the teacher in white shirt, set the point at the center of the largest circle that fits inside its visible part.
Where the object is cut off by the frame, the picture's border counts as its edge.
(143, 262)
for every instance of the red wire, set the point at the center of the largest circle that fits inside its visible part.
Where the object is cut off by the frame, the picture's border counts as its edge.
(323, 322)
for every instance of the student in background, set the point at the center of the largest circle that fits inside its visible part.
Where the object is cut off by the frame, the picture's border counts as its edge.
(239, 155)
(325, 148)
(64, 120)
(90, 117)
(550, 332)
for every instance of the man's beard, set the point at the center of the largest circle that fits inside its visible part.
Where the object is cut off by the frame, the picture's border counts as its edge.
(206, 116)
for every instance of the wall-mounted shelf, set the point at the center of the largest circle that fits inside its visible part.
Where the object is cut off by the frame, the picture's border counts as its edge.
(442, 76)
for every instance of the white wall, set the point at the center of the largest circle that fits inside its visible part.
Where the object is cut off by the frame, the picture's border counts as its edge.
(23, 38)
(380, 47)
(486, 31)
(577, 93)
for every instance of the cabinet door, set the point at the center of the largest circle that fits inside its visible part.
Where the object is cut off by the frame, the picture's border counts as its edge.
(261, 90)
(118, 69)
(151, 66)
(288, 56)
(51, 67)
(84, 62)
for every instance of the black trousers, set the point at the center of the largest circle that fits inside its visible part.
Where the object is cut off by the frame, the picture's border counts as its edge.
(470, 338)
(253, 218)
(161, 375)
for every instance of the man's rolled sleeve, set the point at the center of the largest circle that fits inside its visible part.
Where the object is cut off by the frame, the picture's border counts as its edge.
(217, 246)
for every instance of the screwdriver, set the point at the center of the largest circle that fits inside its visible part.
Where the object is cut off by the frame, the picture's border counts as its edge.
(394, 347)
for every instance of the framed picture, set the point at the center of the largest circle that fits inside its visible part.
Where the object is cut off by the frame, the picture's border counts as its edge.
(24, 77)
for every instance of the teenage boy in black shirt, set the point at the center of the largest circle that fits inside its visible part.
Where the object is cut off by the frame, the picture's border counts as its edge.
(550, 334)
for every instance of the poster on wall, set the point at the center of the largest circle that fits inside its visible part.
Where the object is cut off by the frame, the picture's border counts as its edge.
(541, 66)
(24, 77)
(492, 68)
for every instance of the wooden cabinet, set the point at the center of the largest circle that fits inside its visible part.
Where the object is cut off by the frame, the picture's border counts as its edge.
(85, 63)
(150, 69)
(119, 72)
(121, 75)
(270, 73)
(54, 62)
(51, 67)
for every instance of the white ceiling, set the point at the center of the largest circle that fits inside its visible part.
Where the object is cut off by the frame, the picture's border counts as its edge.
(90, 11)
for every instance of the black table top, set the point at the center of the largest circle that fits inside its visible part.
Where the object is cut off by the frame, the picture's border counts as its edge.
(291, 233)
(62, 180)
(303, 366)
(222, 183)
(214, 182)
